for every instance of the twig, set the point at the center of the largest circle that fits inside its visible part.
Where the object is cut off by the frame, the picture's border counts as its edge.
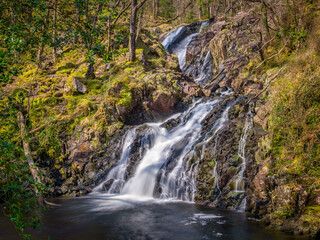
(50, 203)
(38, 129)
(266, 87)
(174, 18)
(273, 55)
(267, 42)
(208, 84)
(120, 14)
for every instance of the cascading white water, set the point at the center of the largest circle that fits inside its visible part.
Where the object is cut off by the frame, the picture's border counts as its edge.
(180, 49)
(172, 37)
(239, 182)
(168, 167)
(117, 174)
(181, 182)
(166, 144)
(169, 148)
(206, 69)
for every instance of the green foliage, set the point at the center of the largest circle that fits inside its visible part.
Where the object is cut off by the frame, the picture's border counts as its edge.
(166, 12)
(16, 184)
(295, 120)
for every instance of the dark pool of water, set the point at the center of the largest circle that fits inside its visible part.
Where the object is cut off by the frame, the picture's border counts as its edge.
(103, 218)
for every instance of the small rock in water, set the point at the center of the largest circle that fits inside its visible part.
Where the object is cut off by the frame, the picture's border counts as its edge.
(107, 185)
(221, 222)
(203, 223)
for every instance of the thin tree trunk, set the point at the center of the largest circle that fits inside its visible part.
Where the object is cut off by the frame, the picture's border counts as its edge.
(157, 8)
(265, 20)
(75, 38)
(112, 23)
(54, 37)
(178, 7)
(154, 6)
(32, 167)
(139, 24)
(41, 46)
(133, 25)
(225, 9)
(200, 12)
(132, 37)
(109, 35)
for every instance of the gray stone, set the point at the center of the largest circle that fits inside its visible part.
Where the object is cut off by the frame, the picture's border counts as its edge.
(79, 86)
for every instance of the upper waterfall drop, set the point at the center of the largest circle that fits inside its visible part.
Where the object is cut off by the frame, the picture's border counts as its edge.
(178, 42)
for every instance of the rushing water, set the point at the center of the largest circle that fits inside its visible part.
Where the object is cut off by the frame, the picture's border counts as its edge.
(168, 157)
(240, 183)
(177, 43)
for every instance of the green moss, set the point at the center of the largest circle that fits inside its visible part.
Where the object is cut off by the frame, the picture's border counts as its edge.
(315, 209)
(285, 213)
(125, 97)
(211, 164)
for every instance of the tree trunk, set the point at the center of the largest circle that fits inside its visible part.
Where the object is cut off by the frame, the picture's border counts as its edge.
(90, 73)
(178, 8)
(139, 24)
(109, 35)
(32, 166)
(200, 12)
(132, 37)
(75, 38)
(54, 34)
(209, 11)
(155, 10)
(265, 20)
(225, 9)
(42, 43)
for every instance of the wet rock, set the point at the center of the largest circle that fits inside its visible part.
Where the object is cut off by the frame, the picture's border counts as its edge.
(107, 185)
(222, 89)
(190, 89)
(170, 124)
(164, 103)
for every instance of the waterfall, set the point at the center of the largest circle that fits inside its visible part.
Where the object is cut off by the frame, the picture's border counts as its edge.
(239, 182)
(169, 146)
(168, 158)
(161, 162)
(181, 51)
(206, 69)
(117, 174)
(177, 43)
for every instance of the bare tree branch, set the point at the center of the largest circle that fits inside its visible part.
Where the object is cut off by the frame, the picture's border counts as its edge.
(267, 59)
(266, 87)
